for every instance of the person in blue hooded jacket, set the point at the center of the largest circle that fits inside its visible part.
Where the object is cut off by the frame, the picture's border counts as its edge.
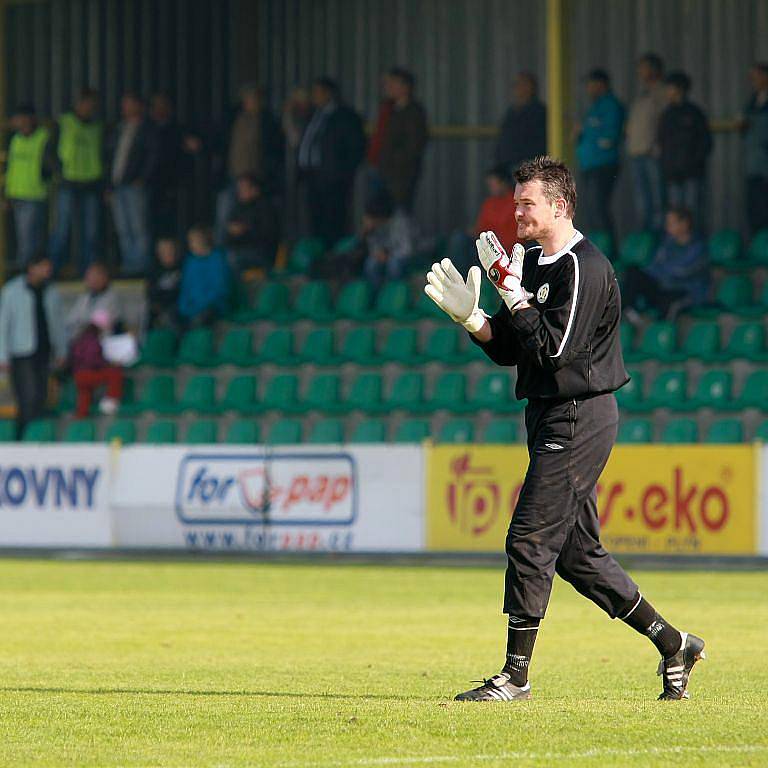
(206, 280)
(597, 150)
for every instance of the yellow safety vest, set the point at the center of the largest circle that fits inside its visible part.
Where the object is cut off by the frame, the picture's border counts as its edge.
(24, 180)
(80, 149)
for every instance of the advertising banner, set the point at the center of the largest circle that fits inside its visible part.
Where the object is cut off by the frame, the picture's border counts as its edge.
(54, 496)
(363, 499)
(651, 499)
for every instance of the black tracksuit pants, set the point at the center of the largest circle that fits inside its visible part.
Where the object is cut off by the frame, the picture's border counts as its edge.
(555, 527)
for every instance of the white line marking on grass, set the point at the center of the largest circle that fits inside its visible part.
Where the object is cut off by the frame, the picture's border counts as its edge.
(597, 752)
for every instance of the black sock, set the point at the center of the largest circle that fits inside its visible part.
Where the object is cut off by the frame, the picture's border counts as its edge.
(521, 635)
(642, 616)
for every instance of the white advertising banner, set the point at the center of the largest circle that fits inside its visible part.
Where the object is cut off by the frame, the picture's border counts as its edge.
(319, 498)
(54, 496)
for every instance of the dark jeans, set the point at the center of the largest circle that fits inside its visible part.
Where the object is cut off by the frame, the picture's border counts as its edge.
(328, 205)
(29, 378)
(649, 193)
(555, 527)
(596, 191)
(29, 220)
(88, 205)
(757, 203)
(642, 291)
(129, 208)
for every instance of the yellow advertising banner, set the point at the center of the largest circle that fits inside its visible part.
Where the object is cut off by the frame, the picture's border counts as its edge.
(697, 499)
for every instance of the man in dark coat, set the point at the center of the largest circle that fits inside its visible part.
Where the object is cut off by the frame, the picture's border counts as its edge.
(523, 132)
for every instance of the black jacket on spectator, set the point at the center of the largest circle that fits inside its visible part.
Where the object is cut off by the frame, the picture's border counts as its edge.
(143, 157)
(685, 142)
(523, 134)
(174, 164)
(163, 286)
(262, 222)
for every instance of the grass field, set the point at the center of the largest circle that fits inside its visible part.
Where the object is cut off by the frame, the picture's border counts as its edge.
(237, 664)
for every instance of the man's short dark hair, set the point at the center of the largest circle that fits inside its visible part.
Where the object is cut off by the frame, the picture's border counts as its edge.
(654, 61)
(599, 75)
(25, 108)
(682, 213)
(329, 84)
(556, 180)
(380, 206)
(251, 178)
(679, 80)
(88, 94)
(500, 172)
(38, 258)
(762, 66)
(531, 78)
(405, 76)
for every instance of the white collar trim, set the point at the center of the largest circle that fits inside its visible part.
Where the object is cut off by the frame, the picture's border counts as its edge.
(565, 249)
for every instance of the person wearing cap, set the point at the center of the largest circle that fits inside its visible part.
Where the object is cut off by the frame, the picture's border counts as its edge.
(30, 165)
(597, 151)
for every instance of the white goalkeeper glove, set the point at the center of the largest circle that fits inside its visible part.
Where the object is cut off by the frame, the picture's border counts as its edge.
(504, 272)
(459, 300)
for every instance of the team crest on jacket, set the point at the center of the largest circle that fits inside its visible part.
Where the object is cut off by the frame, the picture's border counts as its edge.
(542, 293)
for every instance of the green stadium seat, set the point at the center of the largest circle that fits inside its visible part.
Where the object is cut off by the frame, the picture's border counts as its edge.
(369, 431)
(304, 254)
(157, 394)
(280, 394)
(242, 432)
(412, 431)
(7, 431)
(122, 430)
(199, 395)
(313, 302)
(240, 395)
(393, 301)
(725, 247)
(490, 301)
(668, 390)
(442, 345)
(746, 341)
(657, 342)
(327, 431)
(284, 432)
(67, 396)
(80, 431)
(159, 348)
(365, 393)
(725, 431)
(359, 345)
(494, 392)
(734, 294)
(754, 393)
(635, 431)
(637, 249)
(202, 432)
(761, 433)
(346, 244)
(630, 396)
(407, 393)
(500, 431)
(702, 341)
(196, 348)
(758, 248)
(277, 347)
(322, 393)
(161, 432)
(237, 348)
(457, 431)
(680, 431)
(627, 337)
(354, 301)
(450, 392)
(603, 241)
(712, 391)
(40, 431)
(427, 308)
(400, 346)
(318, 347)
(272, 302)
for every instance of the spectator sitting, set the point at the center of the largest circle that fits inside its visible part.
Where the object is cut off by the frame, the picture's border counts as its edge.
(163, 285)
(252, 227)
(91, 370)
(677, 277)
(205, 280)
(497, 214)
(390, 241)
(98, 294)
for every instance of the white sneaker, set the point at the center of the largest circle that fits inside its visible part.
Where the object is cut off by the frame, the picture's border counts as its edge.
(108, 406)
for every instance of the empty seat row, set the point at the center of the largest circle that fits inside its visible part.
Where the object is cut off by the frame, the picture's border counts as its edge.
(687, 431)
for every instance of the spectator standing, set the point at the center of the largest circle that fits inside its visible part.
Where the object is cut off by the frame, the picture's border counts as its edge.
(80, 149)
(642, 143)
(390, 240)
(256, 146)
(31, 336)
(330, 151)
(597, 150)
(523, 131)
(252, 228)
(677, 277)
(98, 294)
(297, 112)
(30, 164)
(403, 139)
(91, 370)
(756, 149)
(374, 183)
(205, 280)
(685, 143)
(164, 285)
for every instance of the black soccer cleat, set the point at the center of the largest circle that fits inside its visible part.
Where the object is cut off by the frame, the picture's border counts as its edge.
(675, 670)
(498, 688)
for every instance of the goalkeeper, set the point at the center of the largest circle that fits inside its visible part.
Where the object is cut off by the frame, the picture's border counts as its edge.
(559, 324)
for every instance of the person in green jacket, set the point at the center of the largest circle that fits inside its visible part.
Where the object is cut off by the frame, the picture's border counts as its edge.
(81, 162)
(30, 164)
